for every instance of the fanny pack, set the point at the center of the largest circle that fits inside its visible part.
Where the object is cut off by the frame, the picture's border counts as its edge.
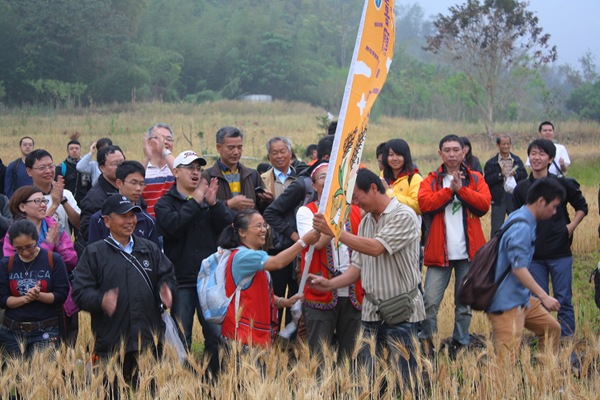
(397, 309)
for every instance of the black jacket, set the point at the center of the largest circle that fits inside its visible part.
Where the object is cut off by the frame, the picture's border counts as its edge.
(495, 179)
(101, 267)
(551, 236)
(190, 232)
(2, 176)
(78, 183)
(92, 202)
(281, 213)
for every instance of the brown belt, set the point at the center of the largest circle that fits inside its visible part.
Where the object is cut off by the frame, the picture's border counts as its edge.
(29, 326)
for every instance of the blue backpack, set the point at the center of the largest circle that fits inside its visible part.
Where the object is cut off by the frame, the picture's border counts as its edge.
(211, 286)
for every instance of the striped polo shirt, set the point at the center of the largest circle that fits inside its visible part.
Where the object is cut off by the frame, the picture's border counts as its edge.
(158, 182)
(396, 271)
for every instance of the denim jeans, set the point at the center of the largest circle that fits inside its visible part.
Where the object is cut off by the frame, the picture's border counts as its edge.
(185, 304)
(34, 340)
(436, 282)
(390, 336)
(560, 270)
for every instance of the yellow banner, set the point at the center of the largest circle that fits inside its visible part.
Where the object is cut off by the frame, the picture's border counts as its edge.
(368, 71)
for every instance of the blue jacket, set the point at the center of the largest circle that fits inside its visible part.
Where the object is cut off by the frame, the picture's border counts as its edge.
(515, 251)
(16, 177)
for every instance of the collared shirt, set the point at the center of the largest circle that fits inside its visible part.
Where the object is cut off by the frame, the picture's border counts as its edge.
(506, 164)
(234, 179)
(128, 248)
(396, 271)
(282, 176)
(158, 182)
(281, 181)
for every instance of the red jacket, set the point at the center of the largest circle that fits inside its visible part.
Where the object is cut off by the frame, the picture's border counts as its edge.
(433, 198)
(320, 265)
(257, 323)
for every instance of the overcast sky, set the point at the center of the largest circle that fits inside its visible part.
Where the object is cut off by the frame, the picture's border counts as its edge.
(574, 25)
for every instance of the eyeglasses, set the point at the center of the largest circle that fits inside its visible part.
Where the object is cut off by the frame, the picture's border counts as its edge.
(261, 226)
(169, 139)
(114, 164)
(44, 167)
(38, 201)
(137, 183)
(192, 167)
(23, 249)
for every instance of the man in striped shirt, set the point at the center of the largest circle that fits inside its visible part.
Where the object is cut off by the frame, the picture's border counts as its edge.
(386, 258)
(158, 160)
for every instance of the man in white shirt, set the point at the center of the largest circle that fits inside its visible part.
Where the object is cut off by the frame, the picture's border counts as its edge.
(561, 161)
(454, 198)
(62, 206)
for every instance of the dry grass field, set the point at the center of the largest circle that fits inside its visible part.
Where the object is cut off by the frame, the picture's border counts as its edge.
(292, 374)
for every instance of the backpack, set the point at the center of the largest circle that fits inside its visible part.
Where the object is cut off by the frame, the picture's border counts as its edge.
(211, 285)
(478, 287)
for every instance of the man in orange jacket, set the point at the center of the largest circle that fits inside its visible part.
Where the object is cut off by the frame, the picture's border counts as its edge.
(453, 198)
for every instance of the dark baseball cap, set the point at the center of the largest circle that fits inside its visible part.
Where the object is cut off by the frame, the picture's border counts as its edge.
(118, 204)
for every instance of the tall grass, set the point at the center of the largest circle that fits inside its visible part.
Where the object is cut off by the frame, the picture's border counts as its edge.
(293, 373)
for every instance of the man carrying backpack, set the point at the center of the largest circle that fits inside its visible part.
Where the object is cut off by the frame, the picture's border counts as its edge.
(513, 307)
(76, 182)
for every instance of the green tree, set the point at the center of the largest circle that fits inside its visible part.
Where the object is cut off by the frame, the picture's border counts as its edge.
(585, 101)
(489, 41)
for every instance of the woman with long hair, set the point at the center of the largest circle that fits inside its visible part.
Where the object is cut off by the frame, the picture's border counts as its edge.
(400, 177)
(469, 159)
(255, 322)
(32, 284)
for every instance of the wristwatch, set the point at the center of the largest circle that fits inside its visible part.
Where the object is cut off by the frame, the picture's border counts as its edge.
(166, 152)
(64, 200)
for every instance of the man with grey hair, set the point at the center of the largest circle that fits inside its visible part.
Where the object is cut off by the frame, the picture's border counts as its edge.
(498, 171)
(240, 187)
(276, 180)
(158, 160)
(279, 154)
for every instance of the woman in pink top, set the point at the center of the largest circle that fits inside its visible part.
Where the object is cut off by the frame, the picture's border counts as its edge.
(29, 202)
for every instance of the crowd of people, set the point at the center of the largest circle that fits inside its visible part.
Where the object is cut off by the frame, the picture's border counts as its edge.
(124, 241)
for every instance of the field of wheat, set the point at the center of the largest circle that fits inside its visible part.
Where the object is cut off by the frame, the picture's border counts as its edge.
(291, 373)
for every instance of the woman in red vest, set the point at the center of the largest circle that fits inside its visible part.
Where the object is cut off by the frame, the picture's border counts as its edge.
(256, 322)
(338, 311)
